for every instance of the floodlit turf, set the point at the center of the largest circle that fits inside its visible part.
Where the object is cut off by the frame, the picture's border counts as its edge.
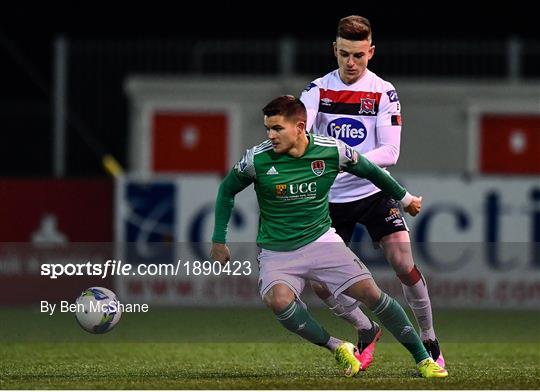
(202, 349)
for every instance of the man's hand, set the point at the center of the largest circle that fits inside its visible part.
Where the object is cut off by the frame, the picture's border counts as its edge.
(220, 252)
(415, 206)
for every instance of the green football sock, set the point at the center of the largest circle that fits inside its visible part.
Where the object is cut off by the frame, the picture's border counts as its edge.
(298, 320)
(393, 317)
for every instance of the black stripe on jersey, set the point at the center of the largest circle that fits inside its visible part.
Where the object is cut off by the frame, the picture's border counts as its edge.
(346, 108)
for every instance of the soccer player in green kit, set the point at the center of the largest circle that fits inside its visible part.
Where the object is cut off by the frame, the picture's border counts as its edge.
(292, 173)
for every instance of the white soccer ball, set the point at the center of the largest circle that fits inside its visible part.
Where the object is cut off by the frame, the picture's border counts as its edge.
(97, 310)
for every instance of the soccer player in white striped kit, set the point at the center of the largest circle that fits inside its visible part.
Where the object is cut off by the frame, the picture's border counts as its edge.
(356, 106)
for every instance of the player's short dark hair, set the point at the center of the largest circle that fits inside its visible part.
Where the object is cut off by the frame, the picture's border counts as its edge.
(354, 28)
(287, 106)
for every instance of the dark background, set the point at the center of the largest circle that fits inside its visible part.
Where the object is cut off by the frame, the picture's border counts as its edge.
(442, 20)
(27, 33)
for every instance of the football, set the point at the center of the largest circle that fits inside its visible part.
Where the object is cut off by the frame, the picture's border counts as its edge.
(97, 310)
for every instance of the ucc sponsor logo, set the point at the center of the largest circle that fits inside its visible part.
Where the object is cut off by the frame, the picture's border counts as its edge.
(296, 190)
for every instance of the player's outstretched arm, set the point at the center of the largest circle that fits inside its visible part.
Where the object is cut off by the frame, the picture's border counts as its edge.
(387, 153)
(230, 186)
(358, 165)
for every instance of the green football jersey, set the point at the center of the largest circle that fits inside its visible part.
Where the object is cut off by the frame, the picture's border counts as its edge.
(293, 192)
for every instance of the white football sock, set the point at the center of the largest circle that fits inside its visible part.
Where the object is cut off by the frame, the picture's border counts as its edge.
(418, 299)
(333, 343)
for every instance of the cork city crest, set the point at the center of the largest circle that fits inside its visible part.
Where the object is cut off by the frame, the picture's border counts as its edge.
(281, 189)
(317, 167)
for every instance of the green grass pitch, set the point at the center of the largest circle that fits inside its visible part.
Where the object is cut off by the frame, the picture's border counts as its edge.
(247, 349)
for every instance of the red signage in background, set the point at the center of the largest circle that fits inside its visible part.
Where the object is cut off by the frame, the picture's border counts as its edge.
(52, 221)
(510, 144)
(64, 210)
(190, 142)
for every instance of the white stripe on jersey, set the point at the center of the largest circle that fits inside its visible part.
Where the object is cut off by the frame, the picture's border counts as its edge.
(324, 144)
(264, 146)
(261, 151)
(324, 141)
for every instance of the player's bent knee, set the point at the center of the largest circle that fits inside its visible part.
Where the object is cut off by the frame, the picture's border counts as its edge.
(279, 297)
(279, 303)
(402, 264)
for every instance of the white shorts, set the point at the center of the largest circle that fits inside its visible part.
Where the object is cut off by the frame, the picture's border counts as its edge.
(327, 260)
